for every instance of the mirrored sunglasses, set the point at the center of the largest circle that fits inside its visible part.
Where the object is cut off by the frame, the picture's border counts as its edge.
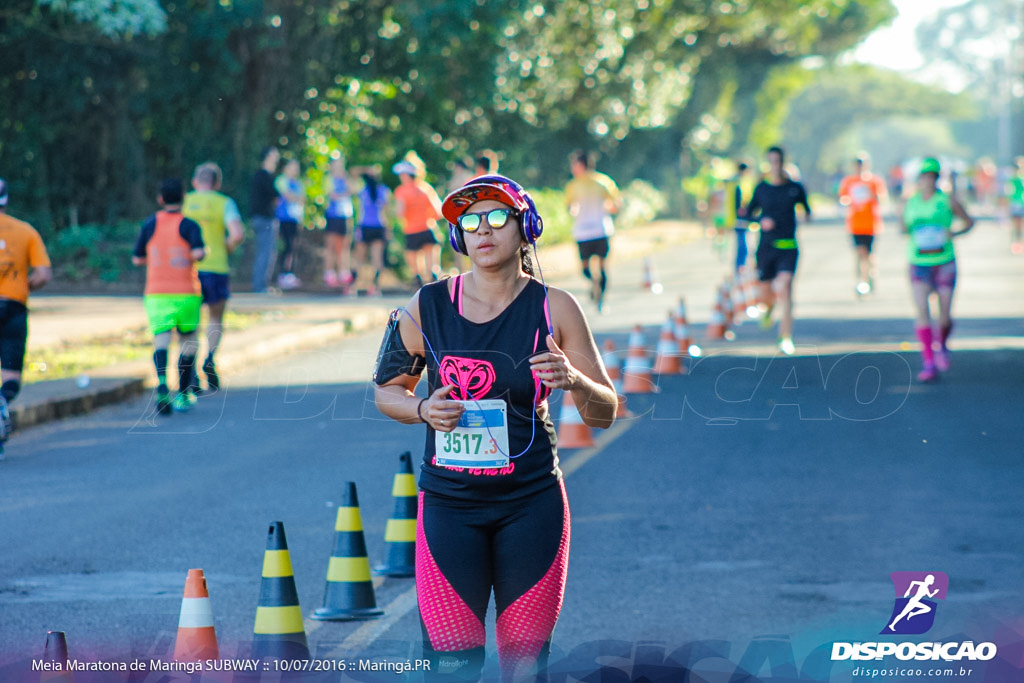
(496, 218)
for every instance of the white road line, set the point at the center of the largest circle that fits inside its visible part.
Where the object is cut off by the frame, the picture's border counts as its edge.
(600, 443)
(360, 639)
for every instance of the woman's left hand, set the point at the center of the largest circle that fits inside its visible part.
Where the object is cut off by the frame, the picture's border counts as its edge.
(553, 368)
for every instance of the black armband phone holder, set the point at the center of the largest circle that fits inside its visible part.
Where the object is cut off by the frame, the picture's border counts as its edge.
(394, 359)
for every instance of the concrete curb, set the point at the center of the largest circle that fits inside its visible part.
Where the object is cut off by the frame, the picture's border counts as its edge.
(65, 398)
(75, 401)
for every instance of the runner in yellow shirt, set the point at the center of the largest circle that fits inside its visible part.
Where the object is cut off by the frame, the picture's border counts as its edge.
(218, 216)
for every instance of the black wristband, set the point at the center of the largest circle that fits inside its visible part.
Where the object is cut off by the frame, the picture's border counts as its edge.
(418, 414)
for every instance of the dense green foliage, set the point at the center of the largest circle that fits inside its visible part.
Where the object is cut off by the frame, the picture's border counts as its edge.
(98, 105)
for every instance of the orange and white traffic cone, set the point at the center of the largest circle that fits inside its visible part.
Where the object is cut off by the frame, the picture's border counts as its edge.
(650, 281)
(716, 324)
(613, 365)
(636, 374)
(681, 311)
(197, 639)
(681, 329)
(666, 362)
(762, 293)
(572, 431)
(726, 299)
(739, 301)
(751, 291)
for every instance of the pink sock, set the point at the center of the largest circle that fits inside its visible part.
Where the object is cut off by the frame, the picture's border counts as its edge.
(924, 334)
(943, 334)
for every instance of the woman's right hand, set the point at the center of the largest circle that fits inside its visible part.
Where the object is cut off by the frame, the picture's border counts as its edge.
(441, 413)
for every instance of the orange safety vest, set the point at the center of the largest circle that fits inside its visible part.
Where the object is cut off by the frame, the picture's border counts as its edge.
(169, 265)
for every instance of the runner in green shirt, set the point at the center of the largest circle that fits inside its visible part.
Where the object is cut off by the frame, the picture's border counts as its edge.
(927, 217)
(1014, 193)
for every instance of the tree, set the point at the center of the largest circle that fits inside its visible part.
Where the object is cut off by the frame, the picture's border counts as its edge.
(103, 104)
(841, 98)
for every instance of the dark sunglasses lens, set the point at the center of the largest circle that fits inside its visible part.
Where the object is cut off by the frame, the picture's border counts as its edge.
(469, 222)
(497, 218)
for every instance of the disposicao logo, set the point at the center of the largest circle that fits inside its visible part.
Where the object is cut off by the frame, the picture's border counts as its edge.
(913, 614)
(916, 593)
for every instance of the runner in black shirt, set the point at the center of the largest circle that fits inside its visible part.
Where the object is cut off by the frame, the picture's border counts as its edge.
(774, 207)
(263, 198)
(493, 514)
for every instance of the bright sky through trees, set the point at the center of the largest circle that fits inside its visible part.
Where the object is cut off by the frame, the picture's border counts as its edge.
(895, 46)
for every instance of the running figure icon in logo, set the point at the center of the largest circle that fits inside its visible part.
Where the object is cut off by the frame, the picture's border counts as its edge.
(916, 588)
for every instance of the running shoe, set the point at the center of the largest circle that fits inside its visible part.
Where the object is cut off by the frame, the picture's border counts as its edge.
(212, 378)
(942, 360)
(766, 318)
(927, 374)
(183, 401)
(787, 346)
(163, 400)
(330, 279)
(289, 281)
(863, 288)
(5, 420)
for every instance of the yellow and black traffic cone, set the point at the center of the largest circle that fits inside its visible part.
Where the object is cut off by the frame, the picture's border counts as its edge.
(349, 593)
(400, 534)
(279, 632)
(56, 656)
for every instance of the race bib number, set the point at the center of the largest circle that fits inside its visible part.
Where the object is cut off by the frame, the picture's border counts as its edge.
(861, 193)
(930, 237)
(479, 441)
(342, 207)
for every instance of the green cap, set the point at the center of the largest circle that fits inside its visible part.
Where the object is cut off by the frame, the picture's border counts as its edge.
(930, 165)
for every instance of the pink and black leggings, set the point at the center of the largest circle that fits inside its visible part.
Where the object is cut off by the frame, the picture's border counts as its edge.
(464, 550)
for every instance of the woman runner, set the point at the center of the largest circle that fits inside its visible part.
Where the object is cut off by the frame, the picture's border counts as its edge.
(493, 514)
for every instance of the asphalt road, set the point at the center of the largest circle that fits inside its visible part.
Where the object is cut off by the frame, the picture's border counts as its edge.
(757, 504)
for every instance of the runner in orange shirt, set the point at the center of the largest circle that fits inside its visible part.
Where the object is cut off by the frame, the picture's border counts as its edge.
(419, 208)
(169, 245)
(861, 192)
(24, 267)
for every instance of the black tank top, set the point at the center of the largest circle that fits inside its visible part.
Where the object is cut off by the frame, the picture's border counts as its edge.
(491, 360)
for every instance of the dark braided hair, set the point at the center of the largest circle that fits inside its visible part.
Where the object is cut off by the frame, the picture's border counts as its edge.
(525, 261)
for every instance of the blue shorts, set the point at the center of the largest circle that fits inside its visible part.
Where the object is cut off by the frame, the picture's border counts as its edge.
(942, 276)
(216, 287)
